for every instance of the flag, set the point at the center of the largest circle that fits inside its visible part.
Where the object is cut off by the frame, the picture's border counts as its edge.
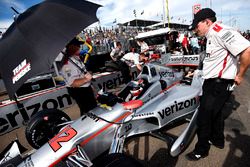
(142, 12)
(134, 11)
(196, 8)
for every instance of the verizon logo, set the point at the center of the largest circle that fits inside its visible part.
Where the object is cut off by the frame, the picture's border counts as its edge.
(20, 70)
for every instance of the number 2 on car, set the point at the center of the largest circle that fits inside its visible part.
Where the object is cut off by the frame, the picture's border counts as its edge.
(64, 136)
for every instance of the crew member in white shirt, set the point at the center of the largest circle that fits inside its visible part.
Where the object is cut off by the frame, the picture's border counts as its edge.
(225, 47)
(77, 78)
(133, 58)
(144, 46)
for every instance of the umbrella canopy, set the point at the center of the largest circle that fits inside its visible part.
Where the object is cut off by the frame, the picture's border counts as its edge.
(31, 44)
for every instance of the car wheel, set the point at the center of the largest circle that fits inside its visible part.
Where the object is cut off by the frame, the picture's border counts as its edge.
(43, 126)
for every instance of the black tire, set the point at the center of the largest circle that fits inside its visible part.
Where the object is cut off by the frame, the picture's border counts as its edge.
(112, 65)
(109, 69)
(43, 126)
(117, 159)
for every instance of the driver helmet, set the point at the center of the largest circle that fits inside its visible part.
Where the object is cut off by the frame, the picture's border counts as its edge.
(136, 88)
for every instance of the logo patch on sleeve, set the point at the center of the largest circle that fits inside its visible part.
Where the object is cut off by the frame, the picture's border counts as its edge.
(217, 28)
(228, 36)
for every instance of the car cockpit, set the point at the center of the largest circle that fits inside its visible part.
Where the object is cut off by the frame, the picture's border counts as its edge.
(147, 85)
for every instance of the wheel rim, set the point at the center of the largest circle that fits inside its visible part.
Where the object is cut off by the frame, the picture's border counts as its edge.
(46, 130)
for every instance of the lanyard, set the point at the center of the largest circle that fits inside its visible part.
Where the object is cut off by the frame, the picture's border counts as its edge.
(83, 70)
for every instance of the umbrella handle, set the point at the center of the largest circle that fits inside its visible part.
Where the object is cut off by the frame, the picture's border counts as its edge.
(14, 10)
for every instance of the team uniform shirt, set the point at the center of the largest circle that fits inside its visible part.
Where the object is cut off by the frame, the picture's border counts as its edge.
(116, 53)
(70, 71)
(131, 57)
(144, 46)
(224, 44)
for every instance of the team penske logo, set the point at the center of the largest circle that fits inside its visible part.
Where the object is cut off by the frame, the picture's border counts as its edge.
(20, 71)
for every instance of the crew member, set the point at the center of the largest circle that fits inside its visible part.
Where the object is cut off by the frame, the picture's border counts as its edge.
(78, 79)
(133, 58)
(225, 46)
(144, 46)
(185, 45)
(116, 55)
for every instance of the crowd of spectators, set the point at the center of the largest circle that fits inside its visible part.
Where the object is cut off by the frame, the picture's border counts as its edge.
(177, 42)
(103, 39)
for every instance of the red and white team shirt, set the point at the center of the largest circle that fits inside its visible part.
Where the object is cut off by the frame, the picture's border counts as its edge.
(224, 44)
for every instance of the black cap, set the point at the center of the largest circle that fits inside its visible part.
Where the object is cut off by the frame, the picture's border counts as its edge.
(75, 42)
(201, 15)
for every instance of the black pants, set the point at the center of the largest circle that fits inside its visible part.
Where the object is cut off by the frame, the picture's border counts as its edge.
(210, 120)
(123, 67)
(84, 98)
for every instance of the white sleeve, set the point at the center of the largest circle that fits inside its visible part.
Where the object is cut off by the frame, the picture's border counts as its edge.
(69, 73)
(136, 59)
(234, 42)
(146, 46)
(112, 52)
(138, 43)
(126, 56)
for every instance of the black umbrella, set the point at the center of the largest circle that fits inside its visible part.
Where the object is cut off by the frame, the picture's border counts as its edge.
(32, 42)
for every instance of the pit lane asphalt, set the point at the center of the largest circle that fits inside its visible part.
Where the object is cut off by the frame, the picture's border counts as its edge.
(152, 152)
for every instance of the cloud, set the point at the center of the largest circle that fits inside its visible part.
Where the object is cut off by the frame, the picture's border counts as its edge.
(16, 4)
(235, 5)
(5, 23)
(153, 10)
(123, 10)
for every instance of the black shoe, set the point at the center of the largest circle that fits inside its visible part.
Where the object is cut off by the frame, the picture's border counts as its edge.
(216, 144)
(193, 156)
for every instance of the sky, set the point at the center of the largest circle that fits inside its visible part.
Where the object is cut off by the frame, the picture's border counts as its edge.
(235, 13)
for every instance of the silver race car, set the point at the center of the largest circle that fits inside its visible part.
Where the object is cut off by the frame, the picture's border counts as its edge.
(159, 96)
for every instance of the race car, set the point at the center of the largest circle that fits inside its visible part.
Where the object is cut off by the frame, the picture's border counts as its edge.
(156, 98)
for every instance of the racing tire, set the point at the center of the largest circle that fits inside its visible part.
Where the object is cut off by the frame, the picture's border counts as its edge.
(112, 65)
(109, 69)
(117, 159)
(43, 126)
